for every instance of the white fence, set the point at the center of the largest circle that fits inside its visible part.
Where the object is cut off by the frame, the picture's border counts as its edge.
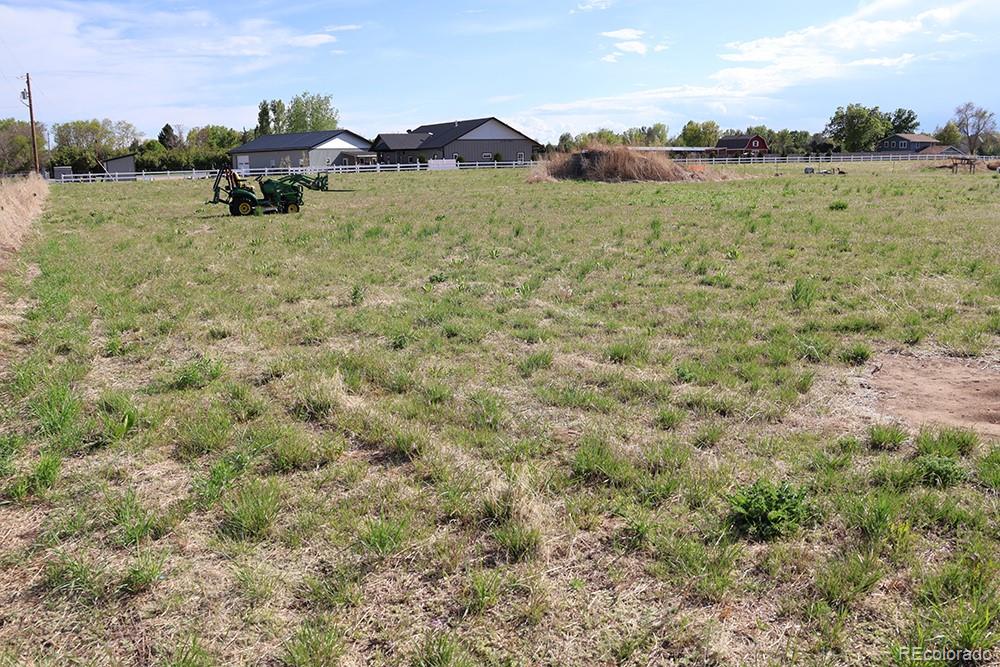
(195, 174)
(198, 174)
(824, 159)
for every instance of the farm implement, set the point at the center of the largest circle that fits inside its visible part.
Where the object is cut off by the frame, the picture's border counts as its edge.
(277, 195)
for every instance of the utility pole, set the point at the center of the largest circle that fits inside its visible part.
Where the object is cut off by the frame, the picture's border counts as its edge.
(26, 97)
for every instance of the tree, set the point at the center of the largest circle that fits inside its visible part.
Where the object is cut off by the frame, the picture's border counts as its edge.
(566, 143)
(312, 113)
(84, 144)
(213, 137)
(263, 119)
(949, 135)
(857, 127)
(974, 123)
(168, 137)
(15, 145)
(903, 121)
(699, 134)
(279, 117)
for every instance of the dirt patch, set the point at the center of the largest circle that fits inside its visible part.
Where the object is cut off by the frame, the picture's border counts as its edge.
(940, 390)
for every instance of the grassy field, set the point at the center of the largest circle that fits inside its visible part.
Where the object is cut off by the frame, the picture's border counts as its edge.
(459, 419)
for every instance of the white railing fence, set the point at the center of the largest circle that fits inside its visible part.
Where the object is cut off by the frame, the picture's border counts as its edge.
(198, 174)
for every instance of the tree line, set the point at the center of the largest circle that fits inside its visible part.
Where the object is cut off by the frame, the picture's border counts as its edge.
(855, 128)
(85, 145)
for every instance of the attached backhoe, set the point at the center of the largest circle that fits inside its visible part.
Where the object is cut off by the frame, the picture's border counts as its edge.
(278, 195)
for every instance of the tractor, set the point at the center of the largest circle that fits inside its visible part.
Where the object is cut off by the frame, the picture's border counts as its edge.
(278, 195)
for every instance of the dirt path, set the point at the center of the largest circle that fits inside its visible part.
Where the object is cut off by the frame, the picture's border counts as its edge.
(940, 390)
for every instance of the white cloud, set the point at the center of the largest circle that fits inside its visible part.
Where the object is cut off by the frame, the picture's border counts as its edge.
(880, 36)
(661, 47)
(309, 41)
(342, 28)
(624, 34)
(632, 47)
(500, 99)
(592, 5)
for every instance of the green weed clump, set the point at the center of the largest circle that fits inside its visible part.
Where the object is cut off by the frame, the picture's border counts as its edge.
(886, 436)
(249, 512)
(765, 510)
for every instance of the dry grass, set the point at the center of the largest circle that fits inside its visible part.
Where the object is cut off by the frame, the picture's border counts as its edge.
(617, 164)
(21, 201)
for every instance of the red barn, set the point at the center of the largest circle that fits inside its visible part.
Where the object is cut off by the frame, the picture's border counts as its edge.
(742, 146)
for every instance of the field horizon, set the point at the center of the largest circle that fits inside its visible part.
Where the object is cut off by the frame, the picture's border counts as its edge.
(462, 419)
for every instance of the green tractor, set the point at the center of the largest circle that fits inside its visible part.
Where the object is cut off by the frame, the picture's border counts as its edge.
(278, 195)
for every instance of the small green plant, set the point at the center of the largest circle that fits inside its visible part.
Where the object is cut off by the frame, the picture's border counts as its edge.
(989, 469)
(937, 470)
(313, 403)
(242, 403)
(803, 292)
(595, 461)
(249, 511)
(190, 653)
(441, 650)
(357, 295)
(886, 436)
(517, 541)
(317, 643)
(856, 354)
(196, 374)
(482, 591)
(534, 362)
(667, 419)
(383, 537)
(838, 205)
(146, 570)
(845, 580)
(486, 411)
(765, 510)
(208, 431)
(953, 442)
(627, 351)
(336, 588)
(871, 515)
(709, 436)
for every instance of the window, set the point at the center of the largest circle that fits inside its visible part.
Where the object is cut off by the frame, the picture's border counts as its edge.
(488, 157)
(756, 144)
(272, 163)
(902, 144)
(520, 156)
(885, 144)
(413, 159)
(894, 144)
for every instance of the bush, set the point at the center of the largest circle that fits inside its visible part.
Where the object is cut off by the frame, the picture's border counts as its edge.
(937, 470)
(766, 510)
(839, 205)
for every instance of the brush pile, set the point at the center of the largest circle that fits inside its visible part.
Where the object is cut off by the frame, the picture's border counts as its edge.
(617, 165)
(21, 201)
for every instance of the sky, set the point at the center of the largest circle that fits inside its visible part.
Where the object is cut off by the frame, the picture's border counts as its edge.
(544, 66)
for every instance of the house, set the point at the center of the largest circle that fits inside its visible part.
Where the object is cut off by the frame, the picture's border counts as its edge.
(123, 164)
(943, 150)
(303, 149)
(742, 145)
(477, 140)
(906, 143)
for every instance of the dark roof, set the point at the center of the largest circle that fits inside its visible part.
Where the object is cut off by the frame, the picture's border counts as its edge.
(443, 134)
(400, 142)
(939, 149)
(916, 138)
(291, 142)
(735, 141)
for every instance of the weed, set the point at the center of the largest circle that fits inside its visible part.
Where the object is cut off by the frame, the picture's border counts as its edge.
(845, 580)
(765, 510)
(383, 537)
(595, 461)
(517, 541)
(486, 411)
(146, 570)
(667, 419)
(838, 205)
(196, 374)
(803, 292)
(627, 351)
(317, 643)
(937, 470)
(249, 511)
(441, 650)
(856, 354)
(482, 591)
(886, 436)
(952, 442)
(534, 362)
(208, 431)
(989, 469)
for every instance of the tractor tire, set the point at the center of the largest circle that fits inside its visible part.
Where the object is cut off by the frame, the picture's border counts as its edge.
(292, 208)
(242, 206)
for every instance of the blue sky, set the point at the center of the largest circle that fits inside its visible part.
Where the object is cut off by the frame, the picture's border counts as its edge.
(546, 66)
